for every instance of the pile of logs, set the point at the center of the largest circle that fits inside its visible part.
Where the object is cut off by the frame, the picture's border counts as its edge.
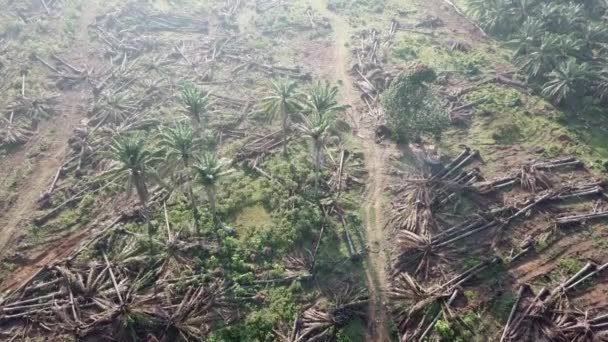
(30, 11)
(65, 74)
(23, 115)
(147, 20)
(41, 107)
(273, 70)
(422, 242)
(266, 5)
(372, 79)
(549, 316)
(94, 298)
(418, 308)
(323, 321)
(257, 145)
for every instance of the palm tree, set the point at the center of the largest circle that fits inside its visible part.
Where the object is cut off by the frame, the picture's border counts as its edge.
(282, 102)
(540, 59)
(601, 83)
(567, 81)
(521, 9)
(322, 99)
(316, 126)
(492, 15)
(180, 145)
(135, 167)
(208, 170)
(196, 104)
(527, 37)
(595, 36)
(571, 46)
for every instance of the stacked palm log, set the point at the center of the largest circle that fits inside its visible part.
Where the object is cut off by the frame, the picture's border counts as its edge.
(550, 316)
(273, 70)
(418, 308)
(258, 145)
(414, 220)
(422, 243)
(114, 296)
(31, 11)
(323, 321)
(134, 30)
(369, 73)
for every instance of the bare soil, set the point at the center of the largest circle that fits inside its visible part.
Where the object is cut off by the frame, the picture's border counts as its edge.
(71, 110)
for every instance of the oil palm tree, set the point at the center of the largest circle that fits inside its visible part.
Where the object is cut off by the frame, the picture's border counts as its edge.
(527, 37)
(600, 83)
(180, 145)
(322, 99)
(208, 171)
(595, 35)
(316, 126)
(569, 45)
(567, 81)
(281, 102)
(196, 104)
(135, 167)
(540, 59)
(492, 15)
(519, 10)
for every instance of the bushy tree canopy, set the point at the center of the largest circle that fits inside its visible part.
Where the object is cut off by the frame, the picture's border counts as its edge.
(411, 109)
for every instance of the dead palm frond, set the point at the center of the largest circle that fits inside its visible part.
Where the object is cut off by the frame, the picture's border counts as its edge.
(128, 318)
(415, 253)
(35, 109)
(192, 318)
(14, 132)
(412, 211)
(319, 323)
(299, 265)
(415, 306)
(114, 109)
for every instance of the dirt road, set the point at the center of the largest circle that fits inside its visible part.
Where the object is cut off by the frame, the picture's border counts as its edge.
(56, 131)
(376, 159)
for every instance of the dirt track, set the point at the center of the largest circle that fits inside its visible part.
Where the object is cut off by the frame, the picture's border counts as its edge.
(71, 111)
(376, 157)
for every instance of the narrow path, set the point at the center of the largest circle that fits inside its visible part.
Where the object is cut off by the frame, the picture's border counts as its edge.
(71, 111)
(58, 130)
(376, 158)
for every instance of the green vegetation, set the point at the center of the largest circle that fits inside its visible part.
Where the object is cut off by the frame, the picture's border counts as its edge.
(412, 110)
(559, 45)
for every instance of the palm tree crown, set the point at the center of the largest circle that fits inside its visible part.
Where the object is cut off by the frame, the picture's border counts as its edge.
(179, 143)
(322, 99)
(208, 169)
(196, 103)
(281, 102)
(565, 82)
(135, 163)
